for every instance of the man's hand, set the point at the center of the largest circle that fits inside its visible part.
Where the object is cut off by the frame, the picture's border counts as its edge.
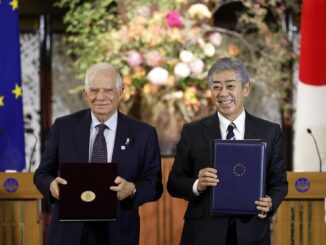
(54, 186)
(207, 177)
(124, 188)
(264, 205)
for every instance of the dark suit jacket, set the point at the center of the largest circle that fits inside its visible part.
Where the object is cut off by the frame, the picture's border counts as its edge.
(193, 154)
(140, 162)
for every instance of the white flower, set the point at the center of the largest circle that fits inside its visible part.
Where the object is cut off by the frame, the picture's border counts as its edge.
(158, 75)
(209, 49)
(199, 11)
(177, 95)
(182, 70)
(201, 42)
(186, 56)
(197, 66)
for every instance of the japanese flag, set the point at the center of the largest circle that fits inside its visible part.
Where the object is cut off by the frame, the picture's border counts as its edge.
(311, 97)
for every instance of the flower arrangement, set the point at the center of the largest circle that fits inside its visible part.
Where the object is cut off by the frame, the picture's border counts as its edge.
(164, 55)
(164, 49)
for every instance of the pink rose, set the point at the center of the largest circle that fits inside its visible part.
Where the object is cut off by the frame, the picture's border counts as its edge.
(153, 58)
(215, 38)
(174, 19)
(144, 11)
(134, 58)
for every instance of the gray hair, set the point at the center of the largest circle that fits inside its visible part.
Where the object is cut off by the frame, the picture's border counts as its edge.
(103, 67)
(228, 63)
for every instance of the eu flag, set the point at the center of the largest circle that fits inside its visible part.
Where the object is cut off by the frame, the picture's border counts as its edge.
(12, 148)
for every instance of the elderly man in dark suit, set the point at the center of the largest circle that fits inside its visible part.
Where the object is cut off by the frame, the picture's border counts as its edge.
(71, 139)
(192, 175)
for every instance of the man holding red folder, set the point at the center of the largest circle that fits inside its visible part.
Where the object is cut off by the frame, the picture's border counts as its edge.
(192, 175)
(102, 134)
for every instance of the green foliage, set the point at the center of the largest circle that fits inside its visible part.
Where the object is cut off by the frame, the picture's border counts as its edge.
(86, 22)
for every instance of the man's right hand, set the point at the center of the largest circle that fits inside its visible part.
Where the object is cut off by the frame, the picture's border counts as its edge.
(54, 186)
(207, 177)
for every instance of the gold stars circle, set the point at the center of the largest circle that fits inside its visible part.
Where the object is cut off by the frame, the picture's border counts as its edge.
(239, 170)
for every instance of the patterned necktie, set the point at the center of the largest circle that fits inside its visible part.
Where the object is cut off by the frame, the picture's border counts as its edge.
(230, 135)
(99, 153)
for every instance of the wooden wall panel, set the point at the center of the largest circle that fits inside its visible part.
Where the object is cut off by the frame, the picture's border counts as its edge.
(300, 223)
(20, 222)
(300, 220)
(162, 221)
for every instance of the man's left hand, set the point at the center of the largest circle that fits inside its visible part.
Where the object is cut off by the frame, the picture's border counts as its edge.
(123, 188)
(264, 205)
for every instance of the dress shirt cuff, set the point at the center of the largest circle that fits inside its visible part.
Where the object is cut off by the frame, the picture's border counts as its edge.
(194, 188)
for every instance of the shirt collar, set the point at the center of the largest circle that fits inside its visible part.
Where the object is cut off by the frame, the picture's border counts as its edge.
(111, 123)
(239, 122)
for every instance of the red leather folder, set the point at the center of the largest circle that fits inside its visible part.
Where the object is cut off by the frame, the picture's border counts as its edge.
(87, 195)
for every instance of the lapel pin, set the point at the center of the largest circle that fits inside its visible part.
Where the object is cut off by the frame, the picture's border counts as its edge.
(123, 147)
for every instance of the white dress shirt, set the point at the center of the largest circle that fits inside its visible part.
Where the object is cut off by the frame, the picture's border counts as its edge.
(239, 129)
(109, 134)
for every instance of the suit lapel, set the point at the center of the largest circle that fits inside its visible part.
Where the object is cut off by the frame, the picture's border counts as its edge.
(122, 138)
(212, 130)
(81, 136)
(251, 129)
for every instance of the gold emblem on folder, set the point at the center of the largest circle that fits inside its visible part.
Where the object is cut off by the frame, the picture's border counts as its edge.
(88, 196)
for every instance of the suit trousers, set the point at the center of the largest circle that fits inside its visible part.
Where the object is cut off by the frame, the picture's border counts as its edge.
(97, 231)
(231, 236)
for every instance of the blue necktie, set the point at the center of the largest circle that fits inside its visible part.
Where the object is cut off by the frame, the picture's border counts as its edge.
(99, 153)
(230, 135)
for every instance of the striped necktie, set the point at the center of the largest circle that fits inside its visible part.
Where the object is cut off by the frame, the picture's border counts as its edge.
(230, 135)
(99, 153)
